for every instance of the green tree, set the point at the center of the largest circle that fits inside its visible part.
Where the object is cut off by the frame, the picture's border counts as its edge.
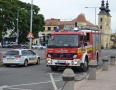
(11, 9)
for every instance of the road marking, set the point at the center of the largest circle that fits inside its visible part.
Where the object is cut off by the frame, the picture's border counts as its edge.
(53, 82)
(29, 84)
(54, 73)
(20, 89)
(2, 87)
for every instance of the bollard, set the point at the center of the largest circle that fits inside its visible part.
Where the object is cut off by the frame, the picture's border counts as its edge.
(93, 65)
(105, 63)
(68, 76)
(112, 63)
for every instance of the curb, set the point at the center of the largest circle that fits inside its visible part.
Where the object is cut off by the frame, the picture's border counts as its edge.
(79, 84)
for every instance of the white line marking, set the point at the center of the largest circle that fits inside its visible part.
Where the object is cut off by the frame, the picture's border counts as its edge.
(54, 73)
(2, 87)
(29, 84)
(53, 82)
(20, 89)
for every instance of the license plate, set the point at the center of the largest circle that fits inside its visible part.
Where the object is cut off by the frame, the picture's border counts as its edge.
(61, 61)
(9, 61)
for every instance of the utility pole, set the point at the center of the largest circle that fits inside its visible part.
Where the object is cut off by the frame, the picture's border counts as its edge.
(31, 22)
(17, 27)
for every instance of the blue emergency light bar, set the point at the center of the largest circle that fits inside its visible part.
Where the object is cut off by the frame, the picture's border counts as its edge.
(56, 29)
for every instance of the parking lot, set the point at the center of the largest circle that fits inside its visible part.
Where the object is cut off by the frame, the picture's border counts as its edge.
(36, 77)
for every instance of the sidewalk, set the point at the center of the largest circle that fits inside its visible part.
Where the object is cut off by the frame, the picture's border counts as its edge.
(105, 80)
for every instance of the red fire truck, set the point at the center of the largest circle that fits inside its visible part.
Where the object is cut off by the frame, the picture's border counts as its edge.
(73, 48)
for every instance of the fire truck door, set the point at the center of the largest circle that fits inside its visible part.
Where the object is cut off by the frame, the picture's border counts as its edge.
(82, 43)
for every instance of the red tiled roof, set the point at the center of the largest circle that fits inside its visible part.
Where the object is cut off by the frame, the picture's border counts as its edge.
(80, 18)
(52, 21)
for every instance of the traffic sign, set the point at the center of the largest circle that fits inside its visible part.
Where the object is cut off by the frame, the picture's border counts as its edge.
(30, 35)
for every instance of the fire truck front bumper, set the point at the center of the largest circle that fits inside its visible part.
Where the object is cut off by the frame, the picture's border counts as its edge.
(72, 63)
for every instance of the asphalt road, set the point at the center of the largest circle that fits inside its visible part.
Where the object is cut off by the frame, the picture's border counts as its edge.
(36, 77)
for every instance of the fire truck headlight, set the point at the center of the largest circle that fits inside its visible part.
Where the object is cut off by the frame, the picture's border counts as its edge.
(49, 61)
(75, 63)
(74, 56)
(49, 55)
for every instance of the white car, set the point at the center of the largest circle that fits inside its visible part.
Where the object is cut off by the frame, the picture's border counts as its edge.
(38, 46)
(20, 57)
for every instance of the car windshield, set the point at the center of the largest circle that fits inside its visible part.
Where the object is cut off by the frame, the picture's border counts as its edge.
(12, 53)
(63, 41)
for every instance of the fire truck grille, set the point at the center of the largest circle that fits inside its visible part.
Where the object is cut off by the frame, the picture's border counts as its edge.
(62, 55)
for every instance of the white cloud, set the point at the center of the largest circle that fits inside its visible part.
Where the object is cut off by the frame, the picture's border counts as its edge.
(70, 9)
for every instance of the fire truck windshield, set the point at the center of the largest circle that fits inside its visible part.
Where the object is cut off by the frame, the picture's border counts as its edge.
(63, 41)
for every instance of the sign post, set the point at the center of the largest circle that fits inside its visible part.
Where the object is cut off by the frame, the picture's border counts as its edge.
(31, 22)
(30, 36)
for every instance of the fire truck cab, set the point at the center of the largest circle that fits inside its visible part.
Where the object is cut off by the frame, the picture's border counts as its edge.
(73, 48)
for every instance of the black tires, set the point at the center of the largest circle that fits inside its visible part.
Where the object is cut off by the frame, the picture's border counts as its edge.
(54, 68)
(84, 66)
(26, 63)
(38, 61)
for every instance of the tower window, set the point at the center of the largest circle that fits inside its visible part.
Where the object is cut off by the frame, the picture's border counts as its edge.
(100, 19)
(100, 27)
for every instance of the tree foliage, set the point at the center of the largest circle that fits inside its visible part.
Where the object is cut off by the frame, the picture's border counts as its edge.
(10, 10)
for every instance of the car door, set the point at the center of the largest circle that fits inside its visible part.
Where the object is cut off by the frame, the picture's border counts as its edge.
(32, 57)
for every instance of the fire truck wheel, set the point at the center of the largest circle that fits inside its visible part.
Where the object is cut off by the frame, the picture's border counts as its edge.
(54, 68)
(84, 66)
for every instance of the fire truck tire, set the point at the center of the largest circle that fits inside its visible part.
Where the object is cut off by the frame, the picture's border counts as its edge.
(84, 66)
(54, 68)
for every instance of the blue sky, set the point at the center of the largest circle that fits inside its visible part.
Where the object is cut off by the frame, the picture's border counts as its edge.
(70, 9)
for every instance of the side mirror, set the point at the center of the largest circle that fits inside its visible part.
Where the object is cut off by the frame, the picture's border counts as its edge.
(85, 44)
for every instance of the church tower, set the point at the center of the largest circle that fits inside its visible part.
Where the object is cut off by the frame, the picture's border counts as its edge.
(104, 24)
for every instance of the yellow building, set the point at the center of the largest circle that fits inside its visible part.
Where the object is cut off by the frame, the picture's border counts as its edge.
(104, 24)
(113, 40)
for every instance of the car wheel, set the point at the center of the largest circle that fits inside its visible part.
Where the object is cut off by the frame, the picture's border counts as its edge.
(38, 61)
(25, 63)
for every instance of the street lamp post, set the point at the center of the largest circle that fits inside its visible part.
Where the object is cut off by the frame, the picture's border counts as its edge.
(95, 12)
(3, 37)
(17, 27)
(31, 22)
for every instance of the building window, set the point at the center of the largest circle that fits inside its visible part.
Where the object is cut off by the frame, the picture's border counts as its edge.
(100, 19)
(55, 27)
(100, 27)
(49, 28)
(44, 28)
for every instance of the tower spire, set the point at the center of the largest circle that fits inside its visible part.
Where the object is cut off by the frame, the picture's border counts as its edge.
(102, 8)
(107, 8)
